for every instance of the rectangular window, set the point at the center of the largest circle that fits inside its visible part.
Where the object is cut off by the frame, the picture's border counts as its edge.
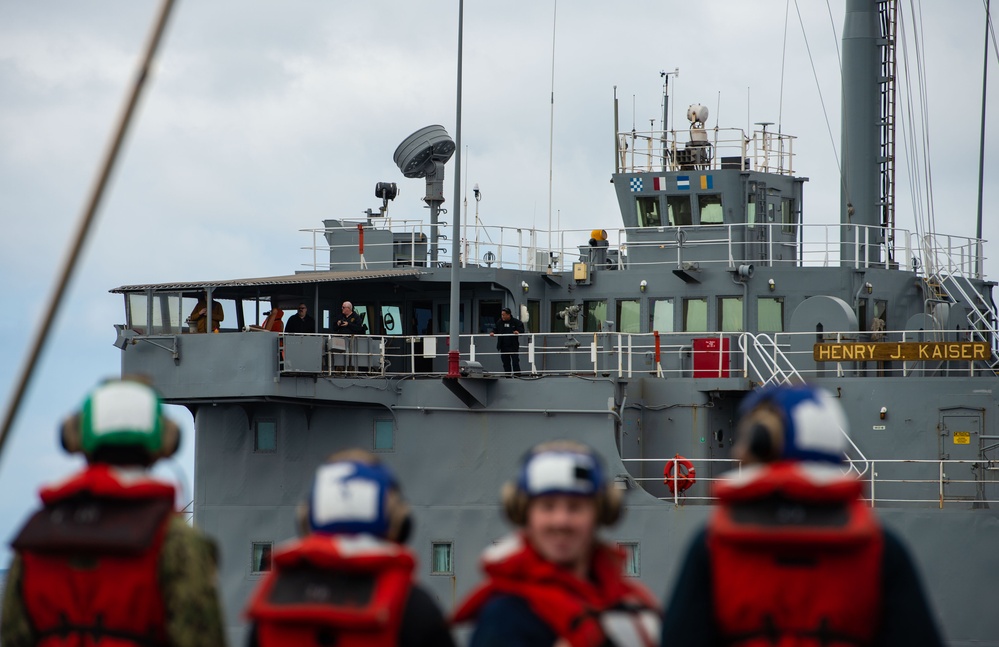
(648, 212)
(787, 215)
(362, 312)
(260, 556)
(444, 318)
(391, 321)
(558, 323)
(595, 313)
(631, 558)
(709, 206)
(751, 209)
(533, 323)
(730, 314)
(627, 316)
(327, 323)
(265, 436)
(441, 558)
(695, 315)
(770, 314)
(678, 210)
(136, 315)
(384, 436)
(661, 315)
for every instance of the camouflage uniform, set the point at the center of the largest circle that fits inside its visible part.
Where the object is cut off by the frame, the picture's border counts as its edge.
(187, 574)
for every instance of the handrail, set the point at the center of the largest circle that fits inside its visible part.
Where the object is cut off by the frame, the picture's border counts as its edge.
(713, 244)
(928, 481)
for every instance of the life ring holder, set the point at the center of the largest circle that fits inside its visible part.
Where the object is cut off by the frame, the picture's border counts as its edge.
(685, 476)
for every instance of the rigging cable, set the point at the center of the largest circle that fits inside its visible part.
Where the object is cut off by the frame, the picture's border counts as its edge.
(86, 220)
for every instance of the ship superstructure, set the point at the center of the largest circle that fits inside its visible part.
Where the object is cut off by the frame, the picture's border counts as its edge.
(641, 341)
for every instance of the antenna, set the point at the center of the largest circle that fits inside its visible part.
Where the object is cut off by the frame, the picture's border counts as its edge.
(423, 154)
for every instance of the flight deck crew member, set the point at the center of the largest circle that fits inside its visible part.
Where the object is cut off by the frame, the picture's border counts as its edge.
(349, 322)
(508, 328)
(349, 581)
(107, 560)
(554, 582)
(792, 555)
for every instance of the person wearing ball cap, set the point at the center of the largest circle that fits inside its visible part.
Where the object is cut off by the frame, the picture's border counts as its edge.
(553, 581)
(107, 560)
(792, 554)
(349, 580)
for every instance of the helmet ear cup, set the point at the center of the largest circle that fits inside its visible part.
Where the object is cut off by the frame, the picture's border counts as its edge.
(169, 438)
(400, 520)
(71, 435)
(610, 505)
(514, 501)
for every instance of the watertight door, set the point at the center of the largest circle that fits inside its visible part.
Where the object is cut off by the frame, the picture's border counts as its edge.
(960, 435)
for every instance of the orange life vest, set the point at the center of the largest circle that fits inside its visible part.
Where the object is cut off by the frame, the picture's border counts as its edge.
(350, 588)
(90, 560)
(606, 611)
(796, 558)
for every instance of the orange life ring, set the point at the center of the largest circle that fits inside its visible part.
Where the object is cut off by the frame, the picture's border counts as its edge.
(685, 474)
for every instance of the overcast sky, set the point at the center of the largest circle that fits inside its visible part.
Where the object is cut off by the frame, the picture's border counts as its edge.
(264, 118)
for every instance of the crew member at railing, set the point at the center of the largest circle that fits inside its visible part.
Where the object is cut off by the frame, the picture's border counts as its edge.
(508, 344)
(301, 322)
(793, 555)
(349, 322)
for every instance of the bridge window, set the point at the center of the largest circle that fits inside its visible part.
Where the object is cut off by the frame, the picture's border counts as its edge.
(661, 315)
(709, 207)
(533, 323)
(695, 315)
(444, 318)
(751, 209)
(770, 314)
(679, 211)
(391, 320)
(730, 314)
(648, 211)
(595, 313)
(628, 316)
(788, 216)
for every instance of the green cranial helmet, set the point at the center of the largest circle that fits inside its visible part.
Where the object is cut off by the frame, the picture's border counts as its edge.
(122, 414)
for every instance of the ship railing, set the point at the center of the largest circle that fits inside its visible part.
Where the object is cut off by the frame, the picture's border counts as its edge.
(890, 483)
(762, 244)
(759, 358)
(708, 149)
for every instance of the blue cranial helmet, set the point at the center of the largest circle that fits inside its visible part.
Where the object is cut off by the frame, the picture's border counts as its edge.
(815, 425)
(561, 471)
(350, 497)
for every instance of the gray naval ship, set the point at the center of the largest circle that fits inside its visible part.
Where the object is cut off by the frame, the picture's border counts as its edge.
(640, 341)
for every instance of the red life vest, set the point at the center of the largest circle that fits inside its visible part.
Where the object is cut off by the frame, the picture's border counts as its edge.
(90, 560)
(351, 589)
(796, 558)
(608, 610)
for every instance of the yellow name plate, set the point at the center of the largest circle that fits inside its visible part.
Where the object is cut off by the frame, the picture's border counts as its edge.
(906, 351)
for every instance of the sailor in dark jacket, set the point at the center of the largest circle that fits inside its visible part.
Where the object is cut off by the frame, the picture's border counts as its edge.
(508, 344)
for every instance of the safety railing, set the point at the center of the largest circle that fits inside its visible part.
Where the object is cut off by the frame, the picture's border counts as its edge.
(761, 358)
(707, 149)
(723, 245)
(888, 483)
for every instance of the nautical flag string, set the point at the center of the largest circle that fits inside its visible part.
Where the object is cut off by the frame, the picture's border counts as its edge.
(659, 183)
(706, 182)
(636, 184)
(683, 182)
